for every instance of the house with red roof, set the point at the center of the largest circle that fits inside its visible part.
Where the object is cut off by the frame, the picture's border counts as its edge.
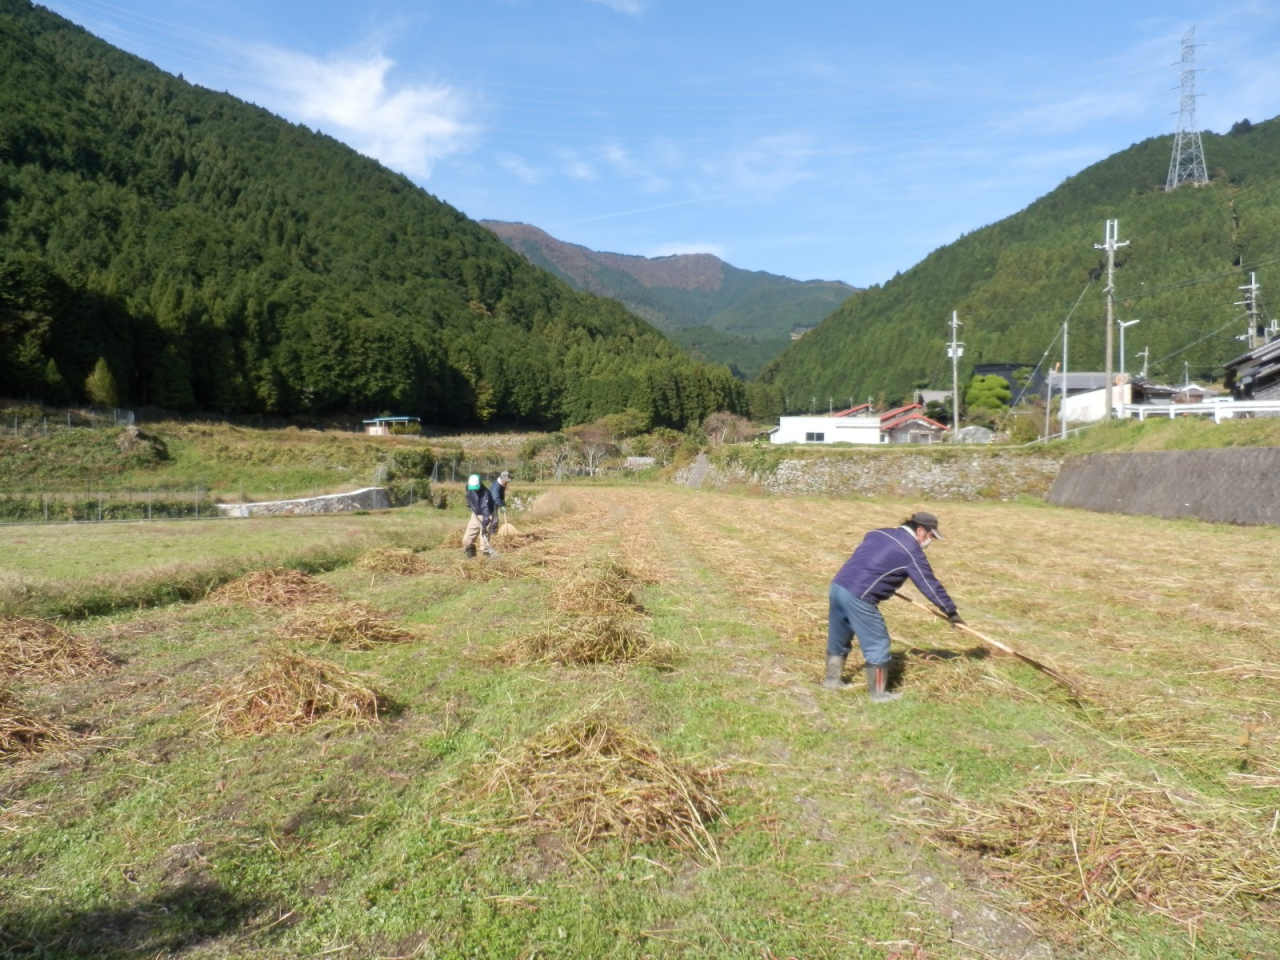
(909, 425)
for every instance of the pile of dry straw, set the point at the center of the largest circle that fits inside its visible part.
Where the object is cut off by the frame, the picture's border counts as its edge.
(395, 560)
(281, 589)
(39, 650)
(286, 691)
(1080, 848)
(596, 779)
(350, 625)
(596, 617)
(22, 735)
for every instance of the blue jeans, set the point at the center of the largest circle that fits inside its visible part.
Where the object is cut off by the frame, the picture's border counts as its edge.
(847, 617)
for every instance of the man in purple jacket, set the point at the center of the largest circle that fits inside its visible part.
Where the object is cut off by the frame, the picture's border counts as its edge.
(879, 566)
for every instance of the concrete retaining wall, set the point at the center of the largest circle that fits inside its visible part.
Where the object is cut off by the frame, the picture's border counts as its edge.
(370, 498)
(951, 475)
(1240, 485)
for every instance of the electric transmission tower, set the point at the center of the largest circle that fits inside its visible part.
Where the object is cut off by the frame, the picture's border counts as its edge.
(1187, 163)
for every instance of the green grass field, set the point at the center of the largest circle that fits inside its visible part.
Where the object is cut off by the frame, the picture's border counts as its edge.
(987, 814)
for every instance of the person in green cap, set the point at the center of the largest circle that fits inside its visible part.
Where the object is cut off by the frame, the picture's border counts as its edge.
(479, 524)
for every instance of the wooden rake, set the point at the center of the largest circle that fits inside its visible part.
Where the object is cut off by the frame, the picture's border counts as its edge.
(1072, 685)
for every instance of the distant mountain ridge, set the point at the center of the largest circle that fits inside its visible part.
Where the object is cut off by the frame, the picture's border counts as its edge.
(715, 310)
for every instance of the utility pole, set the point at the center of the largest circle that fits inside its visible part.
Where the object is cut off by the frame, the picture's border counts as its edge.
(1187, 163)
(1256, 335)
(1048, 399)
(1062, 407)
(1145, 355)
(831, 406)
(1123, 324)
(1112, 243)
(955, 351)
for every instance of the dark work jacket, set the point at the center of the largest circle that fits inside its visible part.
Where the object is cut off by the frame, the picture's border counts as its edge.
(499, 494)
(480, 502)
(881, 564)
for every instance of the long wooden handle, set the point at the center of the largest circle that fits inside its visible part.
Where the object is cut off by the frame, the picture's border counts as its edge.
(1044, 668)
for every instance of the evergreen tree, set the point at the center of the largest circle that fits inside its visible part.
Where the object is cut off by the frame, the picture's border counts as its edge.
(100, 386)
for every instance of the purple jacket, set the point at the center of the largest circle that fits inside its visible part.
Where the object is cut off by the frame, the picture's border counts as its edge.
(881, 564)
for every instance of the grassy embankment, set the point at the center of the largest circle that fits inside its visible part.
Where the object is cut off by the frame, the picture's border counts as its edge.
(226, 461)
(1136, 823)
(1180, 433)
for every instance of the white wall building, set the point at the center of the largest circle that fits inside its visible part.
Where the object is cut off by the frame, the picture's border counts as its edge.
(828, 429)
(1092, 406)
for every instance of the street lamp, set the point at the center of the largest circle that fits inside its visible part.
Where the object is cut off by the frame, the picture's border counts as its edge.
(1122, 324)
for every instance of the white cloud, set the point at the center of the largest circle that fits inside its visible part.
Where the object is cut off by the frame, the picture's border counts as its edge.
(677, 247)
(631, 8)
(409, 129)
(576, 168)
(523, 170)
(768, 163)
(645, 172)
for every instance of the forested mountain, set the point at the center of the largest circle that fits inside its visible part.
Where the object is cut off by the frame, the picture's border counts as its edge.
(221, 258)
(713, 309)
(1014, 282)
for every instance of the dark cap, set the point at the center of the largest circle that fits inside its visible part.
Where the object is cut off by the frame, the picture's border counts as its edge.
(926, 520)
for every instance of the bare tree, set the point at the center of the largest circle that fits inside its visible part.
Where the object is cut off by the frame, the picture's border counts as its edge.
(595, 443)
(725, 427)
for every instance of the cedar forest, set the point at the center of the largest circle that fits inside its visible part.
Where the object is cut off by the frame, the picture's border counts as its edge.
(219, 258)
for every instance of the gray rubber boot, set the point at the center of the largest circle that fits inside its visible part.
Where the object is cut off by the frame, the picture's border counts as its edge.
(835, 668)
(470, 551)
(877, 679)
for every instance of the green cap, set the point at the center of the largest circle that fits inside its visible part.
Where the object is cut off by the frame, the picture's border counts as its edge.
(473, 482)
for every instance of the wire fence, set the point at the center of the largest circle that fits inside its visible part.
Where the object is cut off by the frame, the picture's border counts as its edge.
(28, 421)
(101, 507)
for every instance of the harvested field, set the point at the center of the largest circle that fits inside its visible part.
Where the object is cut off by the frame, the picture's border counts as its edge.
(350, 625)
(24, 735)
(287, 691)
(39, 650)
(833, 845)
(282, 589)
(395, 560)
(596, 779)
(1079, 848)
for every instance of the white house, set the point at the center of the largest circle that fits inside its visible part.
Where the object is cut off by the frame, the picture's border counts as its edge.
(827, 429)
(1091, 406)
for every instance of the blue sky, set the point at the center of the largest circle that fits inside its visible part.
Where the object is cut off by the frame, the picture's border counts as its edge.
(812, 139)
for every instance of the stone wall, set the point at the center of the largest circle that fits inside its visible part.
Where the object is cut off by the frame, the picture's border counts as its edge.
(1231, 485)
(946, 474)
(370, 498)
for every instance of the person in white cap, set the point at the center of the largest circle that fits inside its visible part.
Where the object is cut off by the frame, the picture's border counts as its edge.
(881, 564)
(499, 493)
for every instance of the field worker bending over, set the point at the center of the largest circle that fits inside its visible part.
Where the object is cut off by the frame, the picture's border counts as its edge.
(480, 503)
(879, 566)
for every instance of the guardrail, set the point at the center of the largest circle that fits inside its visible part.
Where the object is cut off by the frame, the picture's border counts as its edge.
(1218, 409)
